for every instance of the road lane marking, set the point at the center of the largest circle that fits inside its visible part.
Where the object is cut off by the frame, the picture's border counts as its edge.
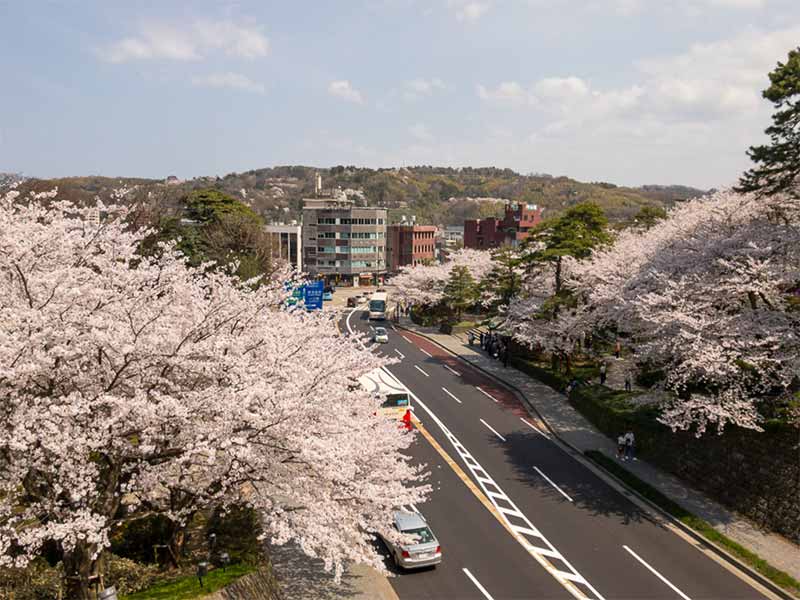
(453, 371)
(488, 395)
(393, 327)
(551, 482)
(426, 352)
(371, 328)
(478, 585)
(536, 429)
(446, 391)
(421, 371)
(492, 430)
(657, 574)
(400, 353)
(406, 339)
(542, 549)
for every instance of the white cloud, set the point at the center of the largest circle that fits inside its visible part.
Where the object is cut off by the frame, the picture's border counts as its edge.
(468, 11)
(560, 88)
(420, 132)
(344, 90)
(510, 93)
(417, 88)
(235, 81)
(192, 42)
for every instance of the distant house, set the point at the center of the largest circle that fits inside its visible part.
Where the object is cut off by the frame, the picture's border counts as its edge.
(512, 229)
(172, 180)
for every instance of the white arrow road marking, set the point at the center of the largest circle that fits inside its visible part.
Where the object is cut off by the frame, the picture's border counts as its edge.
(446, 391)
(400, 353)
(492, 430)
(657, 574)
(478, 585)
(550, 481)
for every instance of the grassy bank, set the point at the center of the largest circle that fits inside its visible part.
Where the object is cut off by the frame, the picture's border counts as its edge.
(188, 587)
(784, 580)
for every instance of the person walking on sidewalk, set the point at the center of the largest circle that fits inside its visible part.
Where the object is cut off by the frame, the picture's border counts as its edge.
(483, 340)
(470, 337)
(602, 373)
(505, 355)
(628, 385)
(617, 349)
(630, 442)
(620, 446)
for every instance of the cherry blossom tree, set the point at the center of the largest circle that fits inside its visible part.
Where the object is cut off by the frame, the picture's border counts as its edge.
(134, 384)
(424, 284)
(705, 296)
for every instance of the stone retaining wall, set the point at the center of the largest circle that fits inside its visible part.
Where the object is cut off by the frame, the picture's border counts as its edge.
(260, 585)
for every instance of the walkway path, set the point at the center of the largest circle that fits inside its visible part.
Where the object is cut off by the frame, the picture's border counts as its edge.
(574, 429)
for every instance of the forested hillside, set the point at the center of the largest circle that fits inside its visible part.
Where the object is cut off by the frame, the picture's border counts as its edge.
(437, 195)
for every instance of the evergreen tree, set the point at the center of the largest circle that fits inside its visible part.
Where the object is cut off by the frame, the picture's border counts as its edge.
(576, 233)
(460, 292)
(777, 167)
(504, 281)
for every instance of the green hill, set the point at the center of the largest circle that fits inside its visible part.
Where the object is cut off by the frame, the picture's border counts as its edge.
(437, 195)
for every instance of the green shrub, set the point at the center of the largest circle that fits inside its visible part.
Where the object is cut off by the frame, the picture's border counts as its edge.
(237, 529)
(135, 539)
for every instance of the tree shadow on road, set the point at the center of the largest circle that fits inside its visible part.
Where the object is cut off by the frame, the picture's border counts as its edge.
(589, 493)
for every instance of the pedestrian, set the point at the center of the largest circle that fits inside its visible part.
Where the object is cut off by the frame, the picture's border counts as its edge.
(630, 442)
(505, 356)
(617, 349)
(483, 341)
(602, 373)
(628, 385)
(621, 447)
(470, 337)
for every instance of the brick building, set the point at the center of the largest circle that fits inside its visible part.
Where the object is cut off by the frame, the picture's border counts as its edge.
(519, 218)
(409, 245)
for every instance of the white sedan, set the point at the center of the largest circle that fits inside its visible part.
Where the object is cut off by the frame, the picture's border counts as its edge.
(381, 336)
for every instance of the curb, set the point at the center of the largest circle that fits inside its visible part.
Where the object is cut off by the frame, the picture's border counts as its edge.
(722, 553)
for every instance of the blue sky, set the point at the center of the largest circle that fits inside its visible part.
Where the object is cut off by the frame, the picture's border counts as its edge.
(628, 91)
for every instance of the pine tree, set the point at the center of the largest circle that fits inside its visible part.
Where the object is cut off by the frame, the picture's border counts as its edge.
(777, 167)
(461, 291)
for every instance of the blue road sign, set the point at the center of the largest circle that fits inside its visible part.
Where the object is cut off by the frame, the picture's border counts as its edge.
(313, 294)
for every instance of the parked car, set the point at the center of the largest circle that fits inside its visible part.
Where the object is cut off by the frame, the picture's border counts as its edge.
(381, 336)
(425, 552)
(352, 301)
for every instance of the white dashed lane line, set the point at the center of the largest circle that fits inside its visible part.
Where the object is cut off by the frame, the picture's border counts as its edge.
(478, 585)
(657, 574)
(550, 481)
(488, 395)
(421, 371)
(426, 353)
(492, 430)
(446, 391)
(453, 371)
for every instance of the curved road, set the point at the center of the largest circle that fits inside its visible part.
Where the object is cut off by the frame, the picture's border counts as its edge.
(517, 516)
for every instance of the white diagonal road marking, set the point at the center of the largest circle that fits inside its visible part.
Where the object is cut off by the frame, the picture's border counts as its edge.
(446, 391)
(657, 574)
(550, 481)
(478, 584)
(492, 430)
(421, 371)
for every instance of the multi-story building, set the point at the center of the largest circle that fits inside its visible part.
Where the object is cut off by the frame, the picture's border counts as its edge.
(286, 242)
(453, 236)
(344, 243)
(512, 229)
(410, 245)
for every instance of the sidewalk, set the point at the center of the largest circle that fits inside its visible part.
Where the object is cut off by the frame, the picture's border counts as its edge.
(574, 429)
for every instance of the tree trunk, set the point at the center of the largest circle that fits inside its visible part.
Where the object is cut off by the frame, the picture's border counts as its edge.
(568, 363)
(80, 572)
(558, 275)
(176, 542)
(554, 362)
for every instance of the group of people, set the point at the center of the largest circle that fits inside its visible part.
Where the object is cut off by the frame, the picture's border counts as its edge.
(493, 344)
(625, 446)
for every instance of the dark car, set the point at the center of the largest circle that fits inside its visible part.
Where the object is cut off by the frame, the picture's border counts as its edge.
(352, 301)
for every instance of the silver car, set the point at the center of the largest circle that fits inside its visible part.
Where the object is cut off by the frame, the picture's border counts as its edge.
(381, 336)
(426, 552)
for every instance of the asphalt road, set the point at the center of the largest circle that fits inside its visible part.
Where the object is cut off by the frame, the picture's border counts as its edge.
(574, 535)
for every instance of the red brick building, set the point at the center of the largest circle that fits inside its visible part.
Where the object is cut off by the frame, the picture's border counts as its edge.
(409, 245)
(482, 234)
